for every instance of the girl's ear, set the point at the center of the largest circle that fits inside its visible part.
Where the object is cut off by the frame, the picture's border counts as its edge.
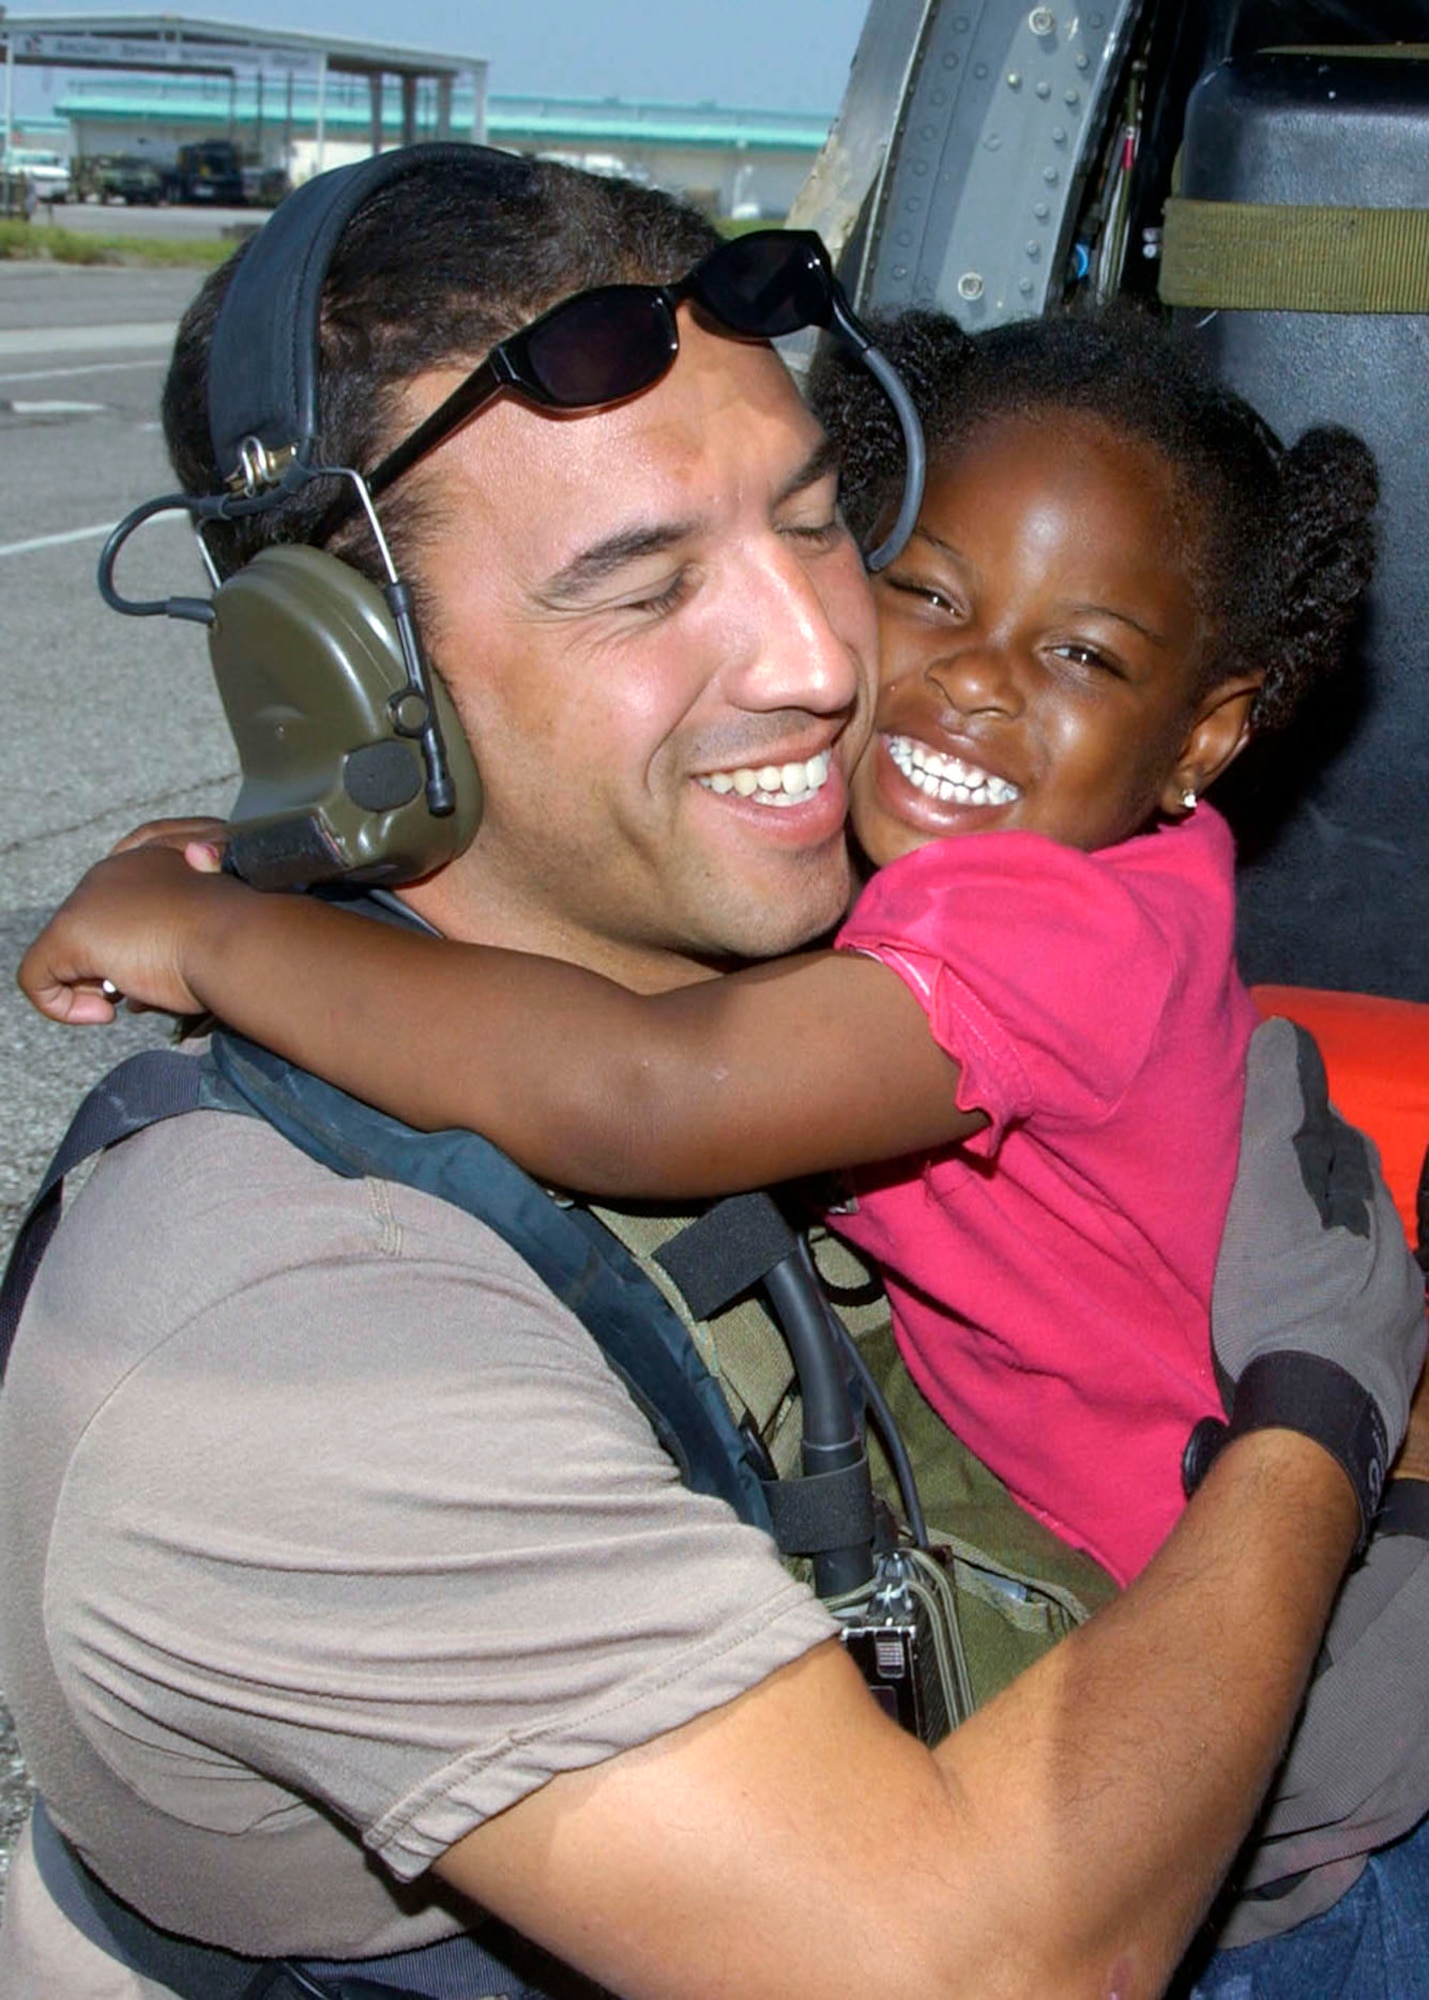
(1215, 739)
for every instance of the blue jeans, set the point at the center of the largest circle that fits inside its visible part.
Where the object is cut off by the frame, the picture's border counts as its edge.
(1371, 1945)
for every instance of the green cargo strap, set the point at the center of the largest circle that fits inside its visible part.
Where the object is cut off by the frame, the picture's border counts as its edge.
(739, 1344)
(1274, 257)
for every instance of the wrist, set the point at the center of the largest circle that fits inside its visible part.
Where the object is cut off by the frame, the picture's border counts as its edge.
(1315, 1397)
(1297, 1515)
(212, 929)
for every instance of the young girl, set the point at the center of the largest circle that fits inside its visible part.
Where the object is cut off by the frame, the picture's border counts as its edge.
(1117, 573)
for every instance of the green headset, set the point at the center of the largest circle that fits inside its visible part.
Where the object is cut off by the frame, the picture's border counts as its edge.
(354, 764)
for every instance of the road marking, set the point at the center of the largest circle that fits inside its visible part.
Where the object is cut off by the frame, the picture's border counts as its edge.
(86, 339)
(79, 368)
(51, 408)
(55, 541)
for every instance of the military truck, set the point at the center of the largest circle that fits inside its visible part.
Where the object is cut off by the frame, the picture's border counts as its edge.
(210, 171)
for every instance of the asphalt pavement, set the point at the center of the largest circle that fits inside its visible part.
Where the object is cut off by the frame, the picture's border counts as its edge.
(121, 721)
(110, 218)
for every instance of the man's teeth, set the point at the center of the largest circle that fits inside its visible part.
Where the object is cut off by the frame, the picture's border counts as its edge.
(948, 777)
(773, 784)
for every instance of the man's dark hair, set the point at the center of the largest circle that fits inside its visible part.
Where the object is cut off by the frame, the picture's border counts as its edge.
(433, 270)
(1280, 541)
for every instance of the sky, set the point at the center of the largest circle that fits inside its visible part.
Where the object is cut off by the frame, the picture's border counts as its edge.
(778, 55)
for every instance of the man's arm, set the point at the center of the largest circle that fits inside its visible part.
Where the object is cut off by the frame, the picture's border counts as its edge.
(1065, 1841)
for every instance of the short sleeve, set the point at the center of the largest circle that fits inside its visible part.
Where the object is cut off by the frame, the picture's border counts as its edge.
(1043, 973)
(364, 1517)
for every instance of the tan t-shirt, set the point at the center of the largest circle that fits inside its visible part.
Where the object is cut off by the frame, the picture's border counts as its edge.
(325, 1528)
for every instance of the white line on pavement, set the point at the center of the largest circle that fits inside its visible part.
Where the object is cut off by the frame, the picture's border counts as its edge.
(79, 368)
(86, 339)
(50, 408)
(55, 541)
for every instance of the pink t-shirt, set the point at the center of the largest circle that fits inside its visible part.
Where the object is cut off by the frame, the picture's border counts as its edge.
(1051, 1278)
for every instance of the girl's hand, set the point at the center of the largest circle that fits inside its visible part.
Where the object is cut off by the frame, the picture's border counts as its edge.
(125, 924)
(207, 838)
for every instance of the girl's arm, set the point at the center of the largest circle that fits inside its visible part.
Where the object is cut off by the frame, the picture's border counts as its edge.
(790, 1068)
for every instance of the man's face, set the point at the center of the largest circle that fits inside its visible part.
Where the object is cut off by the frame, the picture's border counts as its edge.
(660, 640)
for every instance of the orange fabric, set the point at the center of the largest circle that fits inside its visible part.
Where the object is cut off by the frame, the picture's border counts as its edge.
(1377, 1056)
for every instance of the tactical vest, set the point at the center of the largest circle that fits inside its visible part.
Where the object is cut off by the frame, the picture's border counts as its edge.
(680, 1305)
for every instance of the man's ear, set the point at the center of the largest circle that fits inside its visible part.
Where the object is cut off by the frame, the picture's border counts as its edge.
(1215, 739)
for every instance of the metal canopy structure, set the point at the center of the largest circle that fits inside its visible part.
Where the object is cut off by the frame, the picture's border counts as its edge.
(176, 44)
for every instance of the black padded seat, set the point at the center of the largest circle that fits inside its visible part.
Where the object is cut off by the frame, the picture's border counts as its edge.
(1335, 886)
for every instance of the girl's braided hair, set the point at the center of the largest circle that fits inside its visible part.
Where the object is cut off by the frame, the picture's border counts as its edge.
(1280, 541)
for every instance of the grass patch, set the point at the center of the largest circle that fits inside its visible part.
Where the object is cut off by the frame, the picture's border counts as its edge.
(70, 246)
(38, 241)
(728, 228)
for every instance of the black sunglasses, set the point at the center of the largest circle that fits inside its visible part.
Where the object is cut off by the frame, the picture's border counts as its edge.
(601, 346)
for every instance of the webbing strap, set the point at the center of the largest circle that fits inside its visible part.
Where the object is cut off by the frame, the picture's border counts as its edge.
(1279, 257)
(726, 1251)
(821, 1511)
(1353, 51)
(155, 1084)
(495, 1964)
(121, 1933)
(584, 1266)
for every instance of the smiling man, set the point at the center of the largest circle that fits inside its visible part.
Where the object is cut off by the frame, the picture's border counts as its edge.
(349, 1595)
(668, 693)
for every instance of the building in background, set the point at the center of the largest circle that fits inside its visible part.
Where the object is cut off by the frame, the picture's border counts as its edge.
(160, 91)
(203, 70)
(732, 162)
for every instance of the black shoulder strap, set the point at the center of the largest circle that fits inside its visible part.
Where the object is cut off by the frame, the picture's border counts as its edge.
(581, 1263)
(739, 1246)
(156, 1084)
(493, 1959)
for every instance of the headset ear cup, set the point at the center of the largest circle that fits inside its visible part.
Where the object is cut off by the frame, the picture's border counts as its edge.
(307, 661)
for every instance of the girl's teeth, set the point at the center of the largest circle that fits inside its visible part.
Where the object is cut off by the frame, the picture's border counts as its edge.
(948, 778)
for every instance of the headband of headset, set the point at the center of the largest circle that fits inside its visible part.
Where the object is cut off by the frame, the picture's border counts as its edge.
(264, 361)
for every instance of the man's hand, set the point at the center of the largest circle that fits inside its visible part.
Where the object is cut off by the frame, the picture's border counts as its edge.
(125, 925)
(1317, 1323)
